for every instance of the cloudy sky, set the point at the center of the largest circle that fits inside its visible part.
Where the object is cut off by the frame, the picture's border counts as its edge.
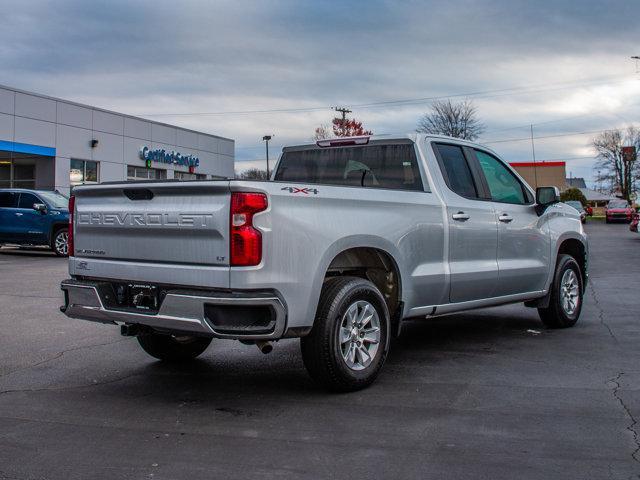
(223, 66)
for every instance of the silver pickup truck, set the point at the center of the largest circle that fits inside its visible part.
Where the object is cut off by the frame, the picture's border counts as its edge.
(348, 238)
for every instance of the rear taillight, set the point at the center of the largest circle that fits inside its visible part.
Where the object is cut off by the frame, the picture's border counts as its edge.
(246, 241)
(72, 205)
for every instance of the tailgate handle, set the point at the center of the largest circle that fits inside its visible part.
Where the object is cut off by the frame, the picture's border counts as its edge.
(138, 193)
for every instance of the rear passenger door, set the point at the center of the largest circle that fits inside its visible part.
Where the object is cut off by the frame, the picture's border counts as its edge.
(8, 225)
(473, 231)
(523, 239)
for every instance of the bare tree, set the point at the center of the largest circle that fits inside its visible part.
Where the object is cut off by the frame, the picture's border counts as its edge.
(457, 120)
(321, 133)
(253, 174)
(610, 166)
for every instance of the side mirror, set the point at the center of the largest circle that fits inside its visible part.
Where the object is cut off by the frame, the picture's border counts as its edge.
(40, 207)
(547, 195)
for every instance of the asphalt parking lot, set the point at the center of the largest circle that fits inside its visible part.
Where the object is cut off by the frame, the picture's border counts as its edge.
(488, 394)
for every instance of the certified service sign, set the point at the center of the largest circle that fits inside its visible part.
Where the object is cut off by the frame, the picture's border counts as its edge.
(163, 156)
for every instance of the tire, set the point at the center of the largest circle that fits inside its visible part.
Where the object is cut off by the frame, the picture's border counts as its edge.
(347, 359)
(60, 242)
(561, 313)
(173, 348)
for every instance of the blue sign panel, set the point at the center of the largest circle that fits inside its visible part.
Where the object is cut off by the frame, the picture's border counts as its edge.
(163, 156)
(27, 148)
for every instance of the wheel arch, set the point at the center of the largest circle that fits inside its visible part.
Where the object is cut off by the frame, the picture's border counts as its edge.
(374, 264)
(356, 256)
(54, 229)
(578, 249)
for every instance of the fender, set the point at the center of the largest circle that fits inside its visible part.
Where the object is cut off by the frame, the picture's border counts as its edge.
(54, 227)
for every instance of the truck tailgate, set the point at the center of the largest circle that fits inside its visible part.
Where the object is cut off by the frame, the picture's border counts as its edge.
(168, 224)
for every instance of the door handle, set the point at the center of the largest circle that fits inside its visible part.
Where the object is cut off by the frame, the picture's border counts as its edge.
(18, 214)
(505, 218)
(461, 216)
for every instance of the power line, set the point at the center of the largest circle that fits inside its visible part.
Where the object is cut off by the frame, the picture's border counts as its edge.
(548, 136)
(412, 101)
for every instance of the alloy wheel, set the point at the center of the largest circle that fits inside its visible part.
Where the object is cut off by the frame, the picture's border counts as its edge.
(61, 243)
(359, 335)
(569, 292)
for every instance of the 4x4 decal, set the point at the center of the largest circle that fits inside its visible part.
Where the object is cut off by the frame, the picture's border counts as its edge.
(305, 191)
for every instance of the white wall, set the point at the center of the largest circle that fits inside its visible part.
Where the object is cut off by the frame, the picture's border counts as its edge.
(70, 128)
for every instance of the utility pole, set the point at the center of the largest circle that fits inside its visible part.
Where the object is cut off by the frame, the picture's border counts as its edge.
(344, 112)
(533, 152)
(266, 139)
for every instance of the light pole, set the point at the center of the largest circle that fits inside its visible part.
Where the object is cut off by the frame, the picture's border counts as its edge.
(266, 139)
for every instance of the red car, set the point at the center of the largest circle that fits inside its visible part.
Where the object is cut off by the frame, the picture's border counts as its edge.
(619, 210)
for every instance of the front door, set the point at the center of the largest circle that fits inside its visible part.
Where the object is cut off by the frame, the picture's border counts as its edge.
(523, 239)
(30, 223)
(473, 235)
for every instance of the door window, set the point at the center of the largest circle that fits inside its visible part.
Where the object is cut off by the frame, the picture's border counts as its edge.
(27, 200)
(456, 171)
(503, 184)
(8, 199)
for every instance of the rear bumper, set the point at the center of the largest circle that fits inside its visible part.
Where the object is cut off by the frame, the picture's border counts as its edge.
(222, 314)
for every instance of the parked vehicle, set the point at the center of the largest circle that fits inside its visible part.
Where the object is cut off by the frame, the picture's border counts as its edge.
(578, 206)
(618, 210)
(34, 217)
(350, 237)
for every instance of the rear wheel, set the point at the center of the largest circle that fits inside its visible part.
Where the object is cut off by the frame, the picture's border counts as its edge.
(565, 303)
(173, 348)
(60, 243)
(350, 338)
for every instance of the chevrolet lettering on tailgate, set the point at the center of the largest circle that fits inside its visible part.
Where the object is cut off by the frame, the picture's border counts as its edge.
(194, 220)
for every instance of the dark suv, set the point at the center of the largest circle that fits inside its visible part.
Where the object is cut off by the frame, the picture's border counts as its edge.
(35, 217)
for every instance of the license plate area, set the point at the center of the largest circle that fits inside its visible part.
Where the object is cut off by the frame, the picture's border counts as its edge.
(142, 297)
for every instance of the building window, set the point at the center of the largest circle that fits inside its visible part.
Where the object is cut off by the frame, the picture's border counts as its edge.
(142, 173)
(83, 171)
(189, 176)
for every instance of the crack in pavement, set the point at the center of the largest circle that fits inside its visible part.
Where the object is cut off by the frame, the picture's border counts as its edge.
(60, 354)
(632, 426)
(601, 311)
(62, 389)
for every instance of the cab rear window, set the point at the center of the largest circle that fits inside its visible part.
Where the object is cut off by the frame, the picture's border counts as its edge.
(391, 166)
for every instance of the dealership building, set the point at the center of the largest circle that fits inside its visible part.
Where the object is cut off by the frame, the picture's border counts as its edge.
(52, 144)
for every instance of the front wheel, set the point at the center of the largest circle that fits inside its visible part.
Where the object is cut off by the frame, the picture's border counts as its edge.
(349, 341)
(173, 348)
(565, 303)
(60, 243)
